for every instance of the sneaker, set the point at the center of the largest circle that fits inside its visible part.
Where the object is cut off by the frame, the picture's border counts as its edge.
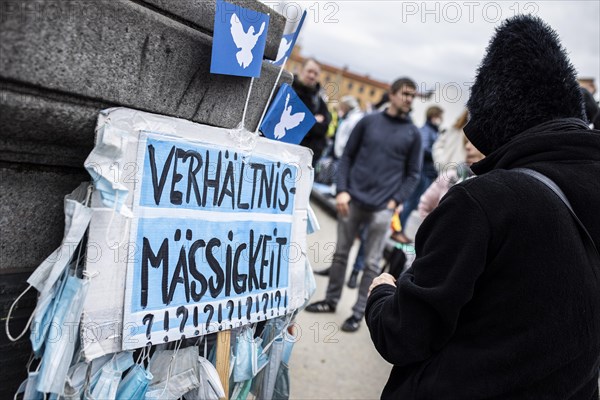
(321, 307)
(323, 272)
(353, 281)
(351, 324)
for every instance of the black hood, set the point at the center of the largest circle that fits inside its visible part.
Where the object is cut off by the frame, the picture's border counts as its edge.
(524, 80)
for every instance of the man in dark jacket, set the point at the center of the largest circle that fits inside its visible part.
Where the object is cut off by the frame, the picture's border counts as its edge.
(379, 169)
(503, 299)
(308, 89)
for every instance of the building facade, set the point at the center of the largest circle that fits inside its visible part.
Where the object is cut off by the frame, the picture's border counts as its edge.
(338, 82)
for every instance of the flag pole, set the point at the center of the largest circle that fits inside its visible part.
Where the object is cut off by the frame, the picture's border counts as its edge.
(271, 95)
(246, 105)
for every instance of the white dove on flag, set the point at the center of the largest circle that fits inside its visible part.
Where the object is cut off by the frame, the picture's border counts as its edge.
(284, 46)
(244, 40)
(287, 121)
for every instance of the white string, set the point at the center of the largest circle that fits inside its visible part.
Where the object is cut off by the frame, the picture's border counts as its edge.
(177, 347)
(6, 325)
(287, 322)
(247, 102)
(271, 95)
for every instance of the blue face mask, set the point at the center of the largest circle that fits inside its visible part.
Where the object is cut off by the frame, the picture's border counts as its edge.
(135, 384)
(269, 375)
(249, 357)
(28, 387)
(59, 352)
(100, 164)
(110, 376)
(49, 277)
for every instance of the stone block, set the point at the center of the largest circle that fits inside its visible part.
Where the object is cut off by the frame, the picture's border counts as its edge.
(49, 130)
(202, 14)
(120, 53)
(31, 210)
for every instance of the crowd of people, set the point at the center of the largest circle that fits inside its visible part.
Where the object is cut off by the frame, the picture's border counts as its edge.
(503, 299)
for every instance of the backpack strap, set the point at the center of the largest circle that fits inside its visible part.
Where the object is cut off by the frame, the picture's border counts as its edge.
(557, 191)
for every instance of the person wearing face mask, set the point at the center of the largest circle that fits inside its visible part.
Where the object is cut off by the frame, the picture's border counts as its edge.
(503, 298)
(429, 134)
(307, 86)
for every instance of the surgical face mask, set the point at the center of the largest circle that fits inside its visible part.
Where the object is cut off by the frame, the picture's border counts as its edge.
(269, 375)
(210, 384)
(59, 352)
(100, 164)
(28, 388)
(281, 391)
(110, 376)
(135, 384)
(249, 358)
(176, 386)
(48, 278)
(174, 373)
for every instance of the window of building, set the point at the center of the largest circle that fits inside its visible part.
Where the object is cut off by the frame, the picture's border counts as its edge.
(361, 89)
(372, 92)
(350, 85)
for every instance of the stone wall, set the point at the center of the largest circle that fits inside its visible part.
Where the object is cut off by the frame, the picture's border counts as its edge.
(61, 62)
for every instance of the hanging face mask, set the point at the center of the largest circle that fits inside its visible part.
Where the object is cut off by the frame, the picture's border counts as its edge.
(174, 373)
(241, 390)
(58, 353)
(249, 357)
(28, 387)
(210, 387)
(135, 384)
(263, 385)
(269, 375)
(100, 164)
(281, 391)
(110, 376)
(49, 276)
(176, 386)
(282, 383)
(76, 377)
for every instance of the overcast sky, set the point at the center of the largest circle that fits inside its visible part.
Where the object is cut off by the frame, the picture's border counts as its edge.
(438, 44)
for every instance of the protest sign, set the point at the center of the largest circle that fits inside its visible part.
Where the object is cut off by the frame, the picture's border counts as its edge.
(213, 236)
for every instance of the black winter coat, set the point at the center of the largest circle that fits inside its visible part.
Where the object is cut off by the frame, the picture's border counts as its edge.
(503, 299)
(316, 138)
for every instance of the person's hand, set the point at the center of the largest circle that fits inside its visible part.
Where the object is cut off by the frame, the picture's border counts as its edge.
(383, 279)
(320, 118)
(391, 205)
(342, 201)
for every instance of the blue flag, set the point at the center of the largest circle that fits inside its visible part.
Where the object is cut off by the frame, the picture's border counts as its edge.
(288, 42)
(288, 119)
(239, 40)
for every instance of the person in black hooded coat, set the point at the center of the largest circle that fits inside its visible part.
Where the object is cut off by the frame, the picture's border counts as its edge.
(503, 299)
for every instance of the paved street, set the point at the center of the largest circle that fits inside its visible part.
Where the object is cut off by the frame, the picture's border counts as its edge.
(327, 363)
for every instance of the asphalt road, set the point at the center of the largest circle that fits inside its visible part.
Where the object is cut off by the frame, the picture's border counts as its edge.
(327, 363)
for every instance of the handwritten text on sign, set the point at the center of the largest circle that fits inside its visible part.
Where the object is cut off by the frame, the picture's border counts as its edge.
(213, 238)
